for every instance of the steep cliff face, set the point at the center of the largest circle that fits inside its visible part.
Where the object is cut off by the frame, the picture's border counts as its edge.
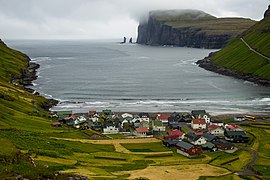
(189, 28)
(267, 12)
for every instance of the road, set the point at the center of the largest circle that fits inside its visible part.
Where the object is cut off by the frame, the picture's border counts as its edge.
(250, 48)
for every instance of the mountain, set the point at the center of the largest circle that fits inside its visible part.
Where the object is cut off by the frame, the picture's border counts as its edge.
(247, 56)
(190, 28)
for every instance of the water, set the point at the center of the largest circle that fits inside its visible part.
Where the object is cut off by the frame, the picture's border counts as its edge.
(97, 75)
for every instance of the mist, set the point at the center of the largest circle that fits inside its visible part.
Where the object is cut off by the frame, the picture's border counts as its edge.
(103, 19)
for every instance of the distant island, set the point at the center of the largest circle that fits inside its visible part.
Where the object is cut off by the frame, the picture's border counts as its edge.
(190, 28)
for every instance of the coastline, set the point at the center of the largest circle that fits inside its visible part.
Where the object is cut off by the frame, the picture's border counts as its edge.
(208, 65)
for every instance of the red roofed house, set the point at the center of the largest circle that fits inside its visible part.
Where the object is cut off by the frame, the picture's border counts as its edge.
(216, 130)
(174, 134)
(142, 131)
(198, 124)
(163, 118)
(233, 127)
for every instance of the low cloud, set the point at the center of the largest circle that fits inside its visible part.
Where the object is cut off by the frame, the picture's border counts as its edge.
(76, 19)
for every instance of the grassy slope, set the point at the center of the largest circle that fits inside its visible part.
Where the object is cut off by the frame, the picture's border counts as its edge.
(238, 57)
(200, 20)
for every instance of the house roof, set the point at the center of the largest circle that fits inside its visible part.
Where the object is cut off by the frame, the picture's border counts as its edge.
(198, 112)
(208, 145)
(171, 142)
(192, 137)
(142, 130)
(236, 133)
(213, 127)
(184, 145)
(198, 121)
(157, 123)
(223, 143)
(209, 137)
(143, 115)
(163, 117)
(175, 132)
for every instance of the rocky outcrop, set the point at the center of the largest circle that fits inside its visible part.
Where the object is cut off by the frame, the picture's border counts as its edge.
(207, 64)
(190, 33)
(267, 13)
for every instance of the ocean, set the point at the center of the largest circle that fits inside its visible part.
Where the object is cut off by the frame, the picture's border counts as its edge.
(89, 74)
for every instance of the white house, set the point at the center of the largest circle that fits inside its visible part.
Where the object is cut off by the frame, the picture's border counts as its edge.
(196, 140)
(141, 132)
(125, 115)
(110, 129)
(217, 122)
(198, 124)
(216, 130)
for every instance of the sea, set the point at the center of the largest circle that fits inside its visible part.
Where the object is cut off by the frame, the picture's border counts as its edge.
(104, 74)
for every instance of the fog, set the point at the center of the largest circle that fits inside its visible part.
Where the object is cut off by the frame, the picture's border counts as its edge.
(103, 19)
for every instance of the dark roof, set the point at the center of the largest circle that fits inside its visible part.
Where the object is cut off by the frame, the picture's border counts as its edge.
(192, 137)
(198, 112)
(143, 115)
(208, 145)
(171, 142)
(223, 143)
(184, 145)
(209, 137)
(236, 133)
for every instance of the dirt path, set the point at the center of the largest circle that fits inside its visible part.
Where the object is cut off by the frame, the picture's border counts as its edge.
(248, 170)
(255, 50)
(118, 146)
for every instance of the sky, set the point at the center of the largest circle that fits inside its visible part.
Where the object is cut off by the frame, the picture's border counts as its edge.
(103, 19)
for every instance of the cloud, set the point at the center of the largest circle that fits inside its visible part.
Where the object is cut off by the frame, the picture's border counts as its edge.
(103, 18)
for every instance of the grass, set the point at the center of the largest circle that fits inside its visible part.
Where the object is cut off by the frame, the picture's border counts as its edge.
(145, 147)
(238, 57)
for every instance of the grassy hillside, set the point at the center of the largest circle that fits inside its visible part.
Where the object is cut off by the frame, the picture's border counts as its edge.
(238, 57)
(201, 20)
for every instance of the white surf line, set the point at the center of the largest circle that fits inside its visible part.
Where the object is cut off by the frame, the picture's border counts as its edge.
(250, 48)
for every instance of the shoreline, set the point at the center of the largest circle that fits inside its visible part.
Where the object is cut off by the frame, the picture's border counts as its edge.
(208, 65)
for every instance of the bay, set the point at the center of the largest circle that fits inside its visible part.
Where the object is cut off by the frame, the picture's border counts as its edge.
(88, 74)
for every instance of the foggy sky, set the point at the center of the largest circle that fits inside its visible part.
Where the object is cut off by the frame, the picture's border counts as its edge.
(103, 19)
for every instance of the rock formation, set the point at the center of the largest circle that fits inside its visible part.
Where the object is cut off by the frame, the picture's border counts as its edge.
(267, 12)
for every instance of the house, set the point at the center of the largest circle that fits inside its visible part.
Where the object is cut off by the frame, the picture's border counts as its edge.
(209, 146)
(158, 126)
(209, 137)
(198, 124)
(236, 136)
(144, 124)
(163, 118)
(110, 129)
(170, 143)
(97, 126)
(188, 149)
(125, 115)
(144, 117)
(63, 114)
(233, 127)
(107, 112)
(91, 113)
(197, 113)
(176, 132)
(80, 120)
(223, 145)
(217, 122)
(216, 130)
(194, 139)
(141, 132)
(239, 118)
(200, 114)
(175, 117)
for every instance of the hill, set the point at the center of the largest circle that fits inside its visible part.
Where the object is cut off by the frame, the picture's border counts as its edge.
(245, 57)
(191, 28)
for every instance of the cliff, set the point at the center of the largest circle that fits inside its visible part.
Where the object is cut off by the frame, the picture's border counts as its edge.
(190, 28)
(245, 57)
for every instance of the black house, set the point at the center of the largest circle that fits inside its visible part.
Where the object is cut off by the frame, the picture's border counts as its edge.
(236, 136)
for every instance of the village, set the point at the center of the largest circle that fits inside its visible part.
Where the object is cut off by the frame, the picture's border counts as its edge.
(190, 133)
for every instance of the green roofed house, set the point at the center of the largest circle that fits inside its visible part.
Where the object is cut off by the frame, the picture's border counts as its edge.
(158, 126)
(236, 136)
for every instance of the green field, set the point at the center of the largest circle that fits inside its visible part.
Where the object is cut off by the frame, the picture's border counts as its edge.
(145, 147)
